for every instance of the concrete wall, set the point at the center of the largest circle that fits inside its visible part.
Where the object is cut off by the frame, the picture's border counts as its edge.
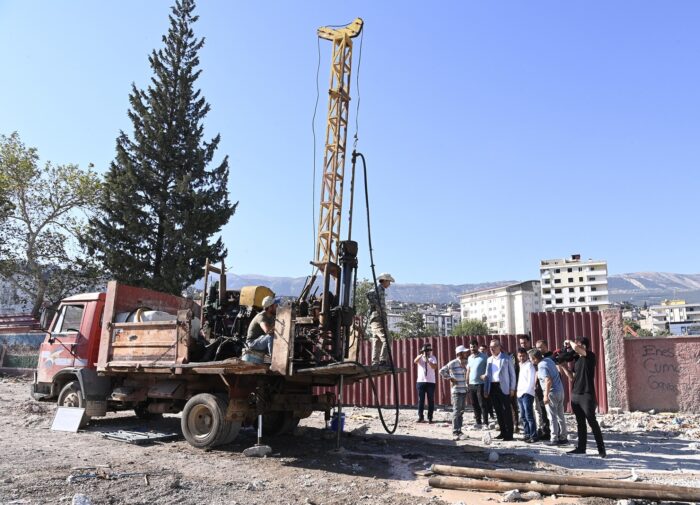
(663, 373)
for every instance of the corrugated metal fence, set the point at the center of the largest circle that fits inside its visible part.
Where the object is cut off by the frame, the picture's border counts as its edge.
(554, 328)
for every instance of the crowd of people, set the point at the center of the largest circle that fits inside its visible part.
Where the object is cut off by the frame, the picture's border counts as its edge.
(523, 391)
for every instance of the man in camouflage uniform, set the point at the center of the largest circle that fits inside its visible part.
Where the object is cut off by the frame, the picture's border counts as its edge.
(381, 340)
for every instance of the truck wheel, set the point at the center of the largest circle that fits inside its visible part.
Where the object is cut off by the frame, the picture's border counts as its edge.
(71, 396)
(204, 424)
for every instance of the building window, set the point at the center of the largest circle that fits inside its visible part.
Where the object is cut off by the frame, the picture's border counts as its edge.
(580, 279)
(557, 291)
(591, 279)
(548, 302)
(572, 300)
(571, 290)
(558, 300)
(572, 310)
(580, 269)
(582, 289)
(557, 271)
(557, 281)
(593, 288)
(546, 291)
(571, 279)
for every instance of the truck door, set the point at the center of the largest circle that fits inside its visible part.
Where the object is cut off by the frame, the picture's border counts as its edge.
(59, 348)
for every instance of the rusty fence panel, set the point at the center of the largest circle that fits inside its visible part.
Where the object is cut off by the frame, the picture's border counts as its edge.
(555, 327)
(404, 351)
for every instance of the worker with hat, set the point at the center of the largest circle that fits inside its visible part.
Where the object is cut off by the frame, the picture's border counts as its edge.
(456, 372)
(261, 330)
(381, 339)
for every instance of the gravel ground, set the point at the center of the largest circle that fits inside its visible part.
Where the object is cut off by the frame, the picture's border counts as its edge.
(43, 466)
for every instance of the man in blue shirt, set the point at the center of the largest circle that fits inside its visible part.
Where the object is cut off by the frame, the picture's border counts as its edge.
(476, 367)
(553, 396)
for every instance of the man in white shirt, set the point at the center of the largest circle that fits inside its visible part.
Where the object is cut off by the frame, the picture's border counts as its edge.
(425, 384)
(526, 395)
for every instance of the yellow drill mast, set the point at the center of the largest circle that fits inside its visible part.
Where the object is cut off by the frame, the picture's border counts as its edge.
(336, 135)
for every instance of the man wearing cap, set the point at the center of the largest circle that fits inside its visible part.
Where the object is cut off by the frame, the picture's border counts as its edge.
(425, 384)
(456, 372)
(261, 330)
(378, 321)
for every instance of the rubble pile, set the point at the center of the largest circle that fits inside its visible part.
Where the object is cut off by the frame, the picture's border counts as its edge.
(668, 424)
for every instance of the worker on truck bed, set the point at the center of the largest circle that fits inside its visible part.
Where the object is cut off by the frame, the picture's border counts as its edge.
(262, 328)
(381, 340)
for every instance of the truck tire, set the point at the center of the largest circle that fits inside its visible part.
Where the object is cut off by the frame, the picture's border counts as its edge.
(72, 396)
(204, 424)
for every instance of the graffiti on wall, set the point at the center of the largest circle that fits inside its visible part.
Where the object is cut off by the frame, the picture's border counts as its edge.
(663, 373)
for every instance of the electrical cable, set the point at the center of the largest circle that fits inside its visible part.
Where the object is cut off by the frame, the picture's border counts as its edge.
(313, 132)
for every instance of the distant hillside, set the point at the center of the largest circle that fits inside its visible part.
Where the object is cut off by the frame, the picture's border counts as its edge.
(651, 287)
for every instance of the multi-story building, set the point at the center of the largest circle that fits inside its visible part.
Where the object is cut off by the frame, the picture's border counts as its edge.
(441, 323)
(673, 311)
(574, 285)
(506, 309)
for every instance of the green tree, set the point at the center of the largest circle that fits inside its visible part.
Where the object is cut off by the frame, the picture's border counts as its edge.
(471, 327)
(162, 205)
(361, 302)
(413, 325)
(642, 332)
(634, 325)
(40, 252)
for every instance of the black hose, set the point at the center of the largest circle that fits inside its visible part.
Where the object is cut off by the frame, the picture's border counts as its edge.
(381, 315)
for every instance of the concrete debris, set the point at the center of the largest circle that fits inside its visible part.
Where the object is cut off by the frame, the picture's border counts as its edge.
(428, 489)
(531, 495)
(625, 502)
(652, 411)
(81, 499)
(256, 485)
(257, 451)
(695, 446)
(634, 477)
(493, 456)
(360, 430)
(486, 439)
(511, 496)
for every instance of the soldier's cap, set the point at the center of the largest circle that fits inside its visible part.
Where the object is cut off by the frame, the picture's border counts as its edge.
(386, 277)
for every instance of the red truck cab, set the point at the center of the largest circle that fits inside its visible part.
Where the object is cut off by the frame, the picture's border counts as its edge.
(69, 351)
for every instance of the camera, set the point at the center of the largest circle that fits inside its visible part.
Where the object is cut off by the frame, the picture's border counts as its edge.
(564, 355)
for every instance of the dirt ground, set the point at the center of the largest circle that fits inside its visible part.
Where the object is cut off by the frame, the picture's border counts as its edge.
(38, 465)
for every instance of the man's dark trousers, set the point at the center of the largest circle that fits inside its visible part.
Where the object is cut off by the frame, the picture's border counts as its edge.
(426, 388)
(584, 408)
(476, 393)
(543, 428)
(501, 404)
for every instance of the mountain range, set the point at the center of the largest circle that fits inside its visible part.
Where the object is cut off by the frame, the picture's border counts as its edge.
(637, 288)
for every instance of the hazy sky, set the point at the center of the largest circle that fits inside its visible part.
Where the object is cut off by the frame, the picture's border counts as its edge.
(496, 133)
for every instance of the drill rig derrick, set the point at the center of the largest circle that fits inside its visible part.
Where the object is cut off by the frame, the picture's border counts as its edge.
(336, 260)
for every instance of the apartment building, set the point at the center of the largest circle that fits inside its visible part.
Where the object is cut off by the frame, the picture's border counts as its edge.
(574, 285)
(671, 312)
(506, 309)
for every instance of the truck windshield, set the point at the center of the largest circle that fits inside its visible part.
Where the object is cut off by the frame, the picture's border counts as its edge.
(69, 319)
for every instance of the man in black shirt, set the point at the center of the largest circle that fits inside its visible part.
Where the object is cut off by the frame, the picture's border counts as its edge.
(583, 401)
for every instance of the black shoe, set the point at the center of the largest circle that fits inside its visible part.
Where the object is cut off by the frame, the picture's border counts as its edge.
(508, 439)
(499, 436)
(602, 454)
(530, 440)
(563, 441)
(576, 451)
(420, 421)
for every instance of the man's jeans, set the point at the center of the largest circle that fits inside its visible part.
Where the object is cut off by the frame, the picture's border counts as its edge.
(458, 401)
(527, 415)
(263, 344)
(426, 389)
(555, 412)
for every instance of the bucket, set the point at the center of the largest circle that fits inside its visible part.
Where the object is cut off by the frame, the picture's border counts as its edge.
(334, 421)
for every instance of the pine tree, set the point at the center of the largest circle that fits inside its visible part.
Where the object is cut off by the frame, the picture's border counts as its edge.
(161, 204)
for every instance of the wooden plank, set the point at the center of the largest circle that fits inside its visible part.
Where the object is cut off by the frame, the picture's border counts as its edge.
(283, 346)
